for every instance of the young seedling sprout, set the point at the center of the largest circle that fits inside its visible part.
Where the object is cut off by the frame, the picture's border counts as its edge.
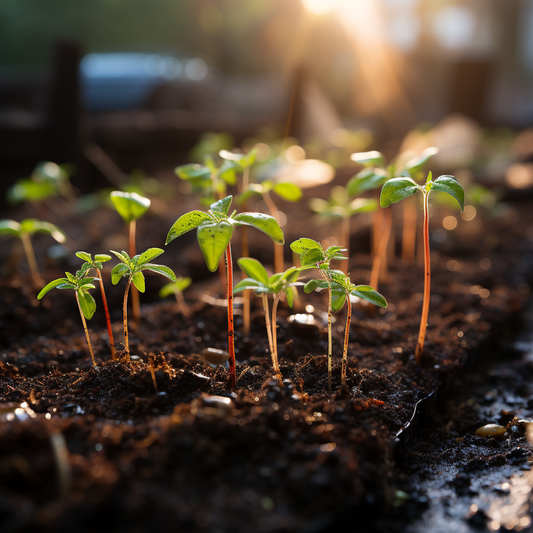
(23, 230)
(176, 288)
(287, 191)
(80, 284)
(131, 268)
(373, 176)
(214, 231)
(131, 206)
(340, 207)
(342, 290)
(312, 255)
(262, 284)
(396, 190)
(96, 264)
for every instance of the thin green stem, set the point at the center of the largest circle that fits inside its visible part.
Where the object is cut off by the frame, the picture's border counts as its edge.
(346, 338)
(85, 328)
(231, 329)
(275, 337)
(264, 298)
(427, 282)
(330, 341)
(135, 302)
(107, 317)
(32, 262)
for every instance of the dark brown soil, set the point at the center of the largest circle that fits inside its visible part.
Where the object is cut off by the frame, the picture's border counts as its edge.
(194, 456)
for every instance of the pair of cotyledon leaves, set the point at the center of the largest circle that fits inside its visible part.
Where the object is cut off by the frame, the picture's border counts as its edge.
(215, 228)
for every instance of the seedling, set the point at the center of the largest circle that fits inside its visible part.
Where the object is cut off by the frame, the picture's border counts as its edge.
(214, 232)
(47, 180)
(373, 176)
(312, 255)
(80, 284)
(131, 268)
(287, 191)
(176, 288)
(208, 179)
(342, 290)
(23, 230)
(396, 190)
(340, 207)
(96, 264)
(262, 284)
(131, 206)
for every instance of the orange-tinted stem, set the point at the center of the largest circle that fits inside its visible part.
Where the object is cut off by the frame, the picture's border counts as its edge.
(379, 258)
(231, 329)
(346, 337)
(275, 362)
(427, 282)
(125, 318)
(107, 317)
(85, 328)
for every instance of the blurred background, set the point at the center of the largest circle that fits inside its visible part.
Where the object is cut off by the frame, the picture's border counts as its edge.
(135, 84)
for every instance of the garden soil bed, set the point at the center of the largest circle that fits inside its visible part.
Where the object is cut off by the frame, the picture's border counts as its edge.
(99, 448)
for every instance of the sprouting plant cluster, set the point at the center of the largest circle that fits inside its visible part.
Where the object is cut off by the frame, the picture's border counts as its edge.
(215, 228)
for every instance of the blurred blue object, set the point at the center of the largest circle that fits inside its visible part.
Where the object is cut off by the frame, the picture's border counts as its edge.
(118, 81)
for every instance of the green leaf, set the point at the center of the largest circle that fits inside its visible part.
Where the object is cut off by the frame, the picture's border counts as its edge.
(161, 269)
(122, 256)
(366, 180)
(148, 255)
(175, 287)
(28, 190)
(396, 190)
(311, 257)
(87, 304)
(264, 223)
(288, 191)
(362, 205)
(102, 258)
(182, 283)
(130, 205)
(32, 225)
(118, 272)
(338, 297)
(49, 171)
(311, 285)
(289, 294)
(138, 281)
(249, 283)
(52, 285)
(84, 256)
(71, 278)
(9, 227)
(373, 158)
(450, 185)
(186, 223)
(193, 171)
(253, 269)
(319, 205)
(415, 164)
(213, 239)
(361, 291)
(304, 244)
(222, 206)
(227, 172)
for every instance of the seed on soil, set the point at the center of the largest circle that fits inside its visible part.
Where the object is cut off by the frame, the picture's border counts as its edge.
(214, 356)
(491, 430)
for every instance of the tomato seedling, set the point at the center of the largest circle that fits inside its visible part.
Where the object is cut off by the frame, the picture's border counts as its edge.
(373, 176)
(396, 190)
(131, 206)
(80, 284)
(176, 288)
(312, 255)
(96, 264)
(23, 230)
(339, 206)
(342, 289)
(259, 281)
(214, 230)
(131, 268)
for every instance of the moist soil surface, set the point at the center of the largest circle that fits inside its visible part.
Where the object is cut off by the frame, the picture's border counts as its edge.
(160, 442)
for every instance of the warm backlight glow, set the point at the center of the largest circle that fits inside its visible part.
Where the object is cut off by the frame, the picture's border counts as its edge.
(319, 7)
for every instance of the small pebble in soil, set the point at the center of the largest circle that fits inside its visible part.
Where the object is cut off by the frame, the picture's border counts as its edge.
(490, 430)
(214, 356)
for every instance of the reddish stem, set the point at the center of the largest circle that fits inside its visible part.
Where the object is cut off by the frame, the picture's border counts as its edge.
(231, 330)
(379, 258)
(346, 337)
(107, 317)
(427, 282)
